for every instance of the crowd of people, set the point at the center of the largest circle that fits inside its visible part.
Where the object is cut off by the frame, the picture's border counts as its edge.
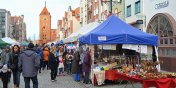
(32, 60)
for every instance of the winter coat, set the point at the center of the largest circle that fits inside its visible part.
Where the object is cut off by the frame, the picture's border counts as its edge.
(14, 61)
(5, 57)
(52, 61)
(87, 62)
(75, 63)
(29, 63)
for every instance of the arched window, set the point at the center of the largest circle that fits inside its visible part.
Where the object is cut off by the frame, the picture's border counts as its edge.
(162, 25)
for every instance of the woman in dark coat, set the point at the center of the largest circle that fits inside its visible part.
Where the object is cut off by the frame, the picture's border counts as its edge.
(14, 65)
(87, 66)
(76, 66)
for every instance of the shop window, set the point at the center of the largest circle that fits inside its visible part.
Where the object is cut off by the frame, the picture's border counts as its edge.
(174, 53)
(137, 7)
(168, 52)
(163, 52)
(128, 11)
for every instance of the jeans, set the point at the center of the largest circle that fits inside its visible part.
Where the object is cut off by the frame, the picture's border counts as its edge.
(69, 68)
(53, 73)
(61, 70)
(16, 78)
(5, 79)
(34, 80)
(45, 64)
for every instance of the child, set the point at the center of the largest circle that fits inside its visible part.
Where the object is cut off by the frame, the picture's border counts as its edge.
(61, 66)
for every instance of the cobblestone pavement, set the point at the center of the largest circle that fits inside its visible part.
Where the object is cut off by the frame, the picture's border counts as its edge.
(66, 82)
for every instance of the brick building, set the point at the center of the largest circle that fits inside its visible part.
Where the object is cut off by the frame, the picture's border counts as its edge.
(45, 26)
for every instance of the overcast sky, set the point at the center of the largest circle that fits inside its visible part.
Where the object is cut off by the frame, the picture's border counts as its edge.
(32, 8)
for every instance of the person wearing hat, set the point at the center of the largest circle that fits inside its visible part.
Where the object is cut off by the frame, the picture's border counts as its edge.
(4, 67)
(29, 63)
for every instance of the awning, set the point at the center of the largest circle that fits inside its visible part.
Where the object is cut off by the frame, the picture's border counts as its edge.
(2, 43)
(83, 30)
(10, 41)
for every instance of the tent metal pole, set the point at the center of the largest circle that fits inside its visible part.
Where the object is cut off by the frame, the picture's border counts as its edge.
(157, 59)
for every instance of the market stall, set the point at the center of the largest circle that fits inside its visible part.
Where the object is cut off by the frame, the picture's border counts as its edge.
(115, 32)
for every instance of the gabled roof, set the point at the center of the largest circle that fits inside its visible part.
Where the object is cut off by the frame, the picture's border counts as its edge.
(75, 13)
(45, 11)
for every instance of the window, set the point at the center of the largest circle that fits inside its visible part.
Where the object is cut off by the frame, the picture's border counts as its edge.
(168, 52)
(166, 41)
(174, 53)
(161, 41)
(163, 53)
(137, 7)
(171, 41)
(128, 11)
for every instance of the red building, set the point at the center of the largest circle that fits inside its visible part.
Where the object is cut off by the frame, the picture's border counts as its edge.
(45, 26)
(53, 35)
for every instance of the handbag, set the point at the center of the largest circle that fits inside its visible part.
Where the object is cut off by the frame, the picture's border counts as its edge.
(13, 66)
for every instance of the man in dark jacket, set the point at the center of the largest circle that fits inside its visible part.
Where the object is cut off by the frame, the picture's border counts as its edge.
(53, 64)
(29, 63)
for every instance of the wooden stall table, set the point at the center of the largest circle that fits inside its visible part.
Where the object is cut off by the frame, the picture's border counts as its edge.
(99, 78)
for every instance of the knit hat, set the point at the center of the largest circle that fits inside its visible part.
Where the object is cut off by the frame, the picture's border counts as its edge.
(30, 45)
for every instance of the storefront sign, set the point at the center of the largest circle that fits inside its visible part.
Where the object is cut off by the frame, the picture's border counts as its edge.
(102, 38)
(162, 5)
(139, 21)
(109, 47)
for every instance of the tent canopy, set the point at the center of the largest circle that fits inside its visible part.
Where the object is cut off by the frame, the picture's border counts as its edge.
(10, 41)
(83, 30)
(2, 43)
(115, 31)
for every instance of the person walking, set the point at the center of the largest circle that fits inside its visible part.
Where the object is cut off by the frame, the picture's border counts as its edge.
(39, 52)
(87, 66)
(53, 64)
(29, 63)
(45, 56)
(5, 67)
(14, 65)
(76, 66)
(69, 58)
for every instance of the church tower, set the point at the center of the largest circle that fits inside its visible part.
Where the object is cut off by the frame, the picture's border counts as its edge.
(45, 26)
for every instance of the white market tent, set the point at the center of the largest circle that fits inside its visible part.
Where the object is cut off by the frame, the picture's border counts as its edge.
(83, 30)
(10, 41)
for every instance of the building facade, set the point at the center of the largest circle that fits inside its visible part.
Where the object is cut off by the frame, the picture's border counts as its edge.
(53, 33)
(45, 26)
(5, 23)
(156, 17)
(59, 30)
(18, 28)
(161, 20)
(83, 12)
(134, 12)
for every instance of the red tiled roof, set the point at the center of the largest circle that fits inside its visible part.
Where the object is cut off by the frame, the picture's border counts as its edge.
(45, 11)
(76, 11)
